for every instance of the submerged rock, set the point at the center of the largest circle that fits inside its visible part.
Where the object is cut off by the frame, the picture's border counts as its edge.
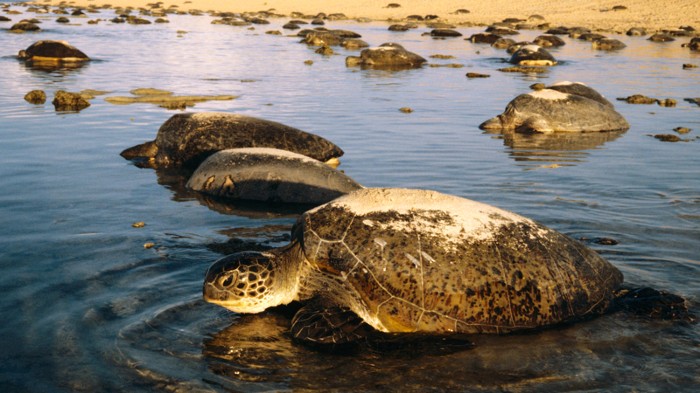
(639, 99)
(573, 109)
(185, 140)
(69, 102)
(35, 97)
(269, 175)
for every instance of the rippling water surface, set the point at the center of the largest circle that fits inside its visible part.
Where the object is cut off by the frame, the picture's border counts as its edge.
(85, 307)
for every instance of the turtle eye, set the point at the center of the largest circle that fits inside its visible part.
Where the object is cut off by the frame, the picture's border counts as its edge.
(226, 281)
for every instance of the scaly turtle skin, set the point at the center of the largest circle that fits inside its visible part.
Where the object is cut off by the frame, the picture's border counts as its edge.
(404, 260)
(187, 139)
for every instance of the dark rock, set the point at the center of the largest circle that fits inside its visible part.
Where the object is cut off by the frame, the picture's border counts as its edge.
(66, 101)
(291, 26)
(667, 137)
(62, 19)
(325, 50)
(525, 69)
(472, 75)
(35, 97)
(639, 99)
(3, 18)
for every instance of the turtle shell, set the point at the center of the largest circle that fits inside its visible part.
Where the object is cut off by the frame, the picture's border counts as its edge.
(421, 261)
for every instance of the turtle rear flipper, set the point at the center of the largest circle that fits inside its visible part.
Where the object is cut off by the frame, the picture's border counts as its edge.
(654, 304)
(330, 327)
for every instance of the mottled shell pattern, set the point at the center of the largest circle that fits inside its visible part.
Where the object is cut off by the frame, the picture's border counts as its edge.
(414, 260)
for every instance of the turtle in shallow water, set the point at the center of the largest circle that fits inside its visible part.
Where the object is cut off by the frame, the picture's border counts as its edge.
(269, 175)
(416, 261)
(187, 139)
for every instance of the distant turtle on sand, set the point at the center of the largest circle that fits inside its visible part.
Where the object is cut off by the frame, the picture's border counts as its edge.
(564, 107)
(187, 139)
(416, 261)
(269, 175)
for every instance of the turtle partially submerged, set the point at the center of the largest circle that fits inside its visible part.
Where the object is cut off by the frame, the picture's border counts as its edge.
(402, 260)
(269, 175)
(187, 139)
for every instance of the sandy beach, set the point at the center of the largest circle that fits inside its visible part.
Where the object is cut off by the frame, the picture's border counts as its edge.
(599, 15)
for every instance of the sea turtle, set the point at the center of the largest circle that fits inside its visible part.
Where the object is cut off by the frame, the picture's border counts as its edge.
(567, 107)
(387, 56)
(50, 51)
(187, 139)
(416, 261)
(269, 175)
(532, 55)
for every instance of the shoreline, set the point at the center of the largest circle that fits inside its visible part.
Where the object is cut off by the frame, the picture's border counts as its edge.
(597, 15)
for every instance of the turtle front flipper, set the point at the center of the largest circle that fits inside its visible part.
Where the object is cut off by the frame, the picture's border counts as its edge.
(328, 326)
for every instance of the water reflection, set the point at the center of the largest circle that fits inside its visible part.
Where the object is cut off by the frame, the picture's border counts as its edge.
(557, 148)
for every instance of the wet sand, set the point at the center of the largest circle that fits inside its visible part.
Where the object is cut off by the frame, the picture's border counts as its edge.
(599, 15)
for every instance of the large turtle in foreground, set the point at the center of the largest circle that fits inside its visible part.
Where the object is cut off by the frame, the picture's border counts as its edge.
(187, 139)
(402, 260)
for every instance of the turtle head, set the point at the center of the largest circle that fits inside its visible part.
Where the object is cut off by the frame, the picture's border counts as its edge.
(250, 282)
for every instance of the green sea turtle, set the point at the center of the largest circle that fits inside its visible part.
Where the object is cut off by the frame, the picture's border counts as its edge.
(565, 107)
(532, 55)
(387, 56)
(50, 51)
(187, 139)
(416, 261)
(269, 175)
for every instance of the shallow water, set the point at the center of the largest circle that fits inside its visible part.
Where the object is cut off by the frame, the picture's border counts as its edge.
(86, 307)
